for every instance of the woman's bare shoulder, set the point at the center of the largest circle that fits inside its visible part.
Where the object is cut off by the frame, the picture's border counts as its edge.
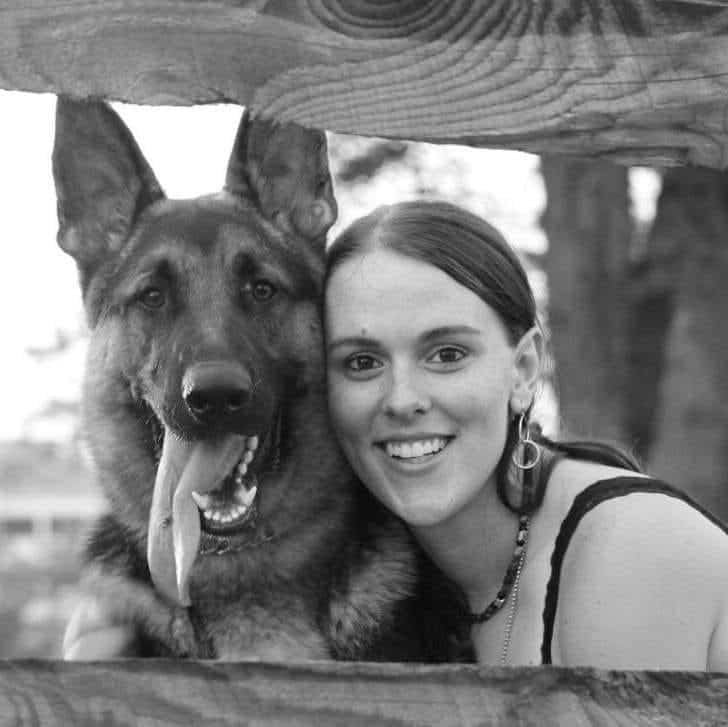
(633, 511)
(569, 478)
(656, 526)
(649, 569)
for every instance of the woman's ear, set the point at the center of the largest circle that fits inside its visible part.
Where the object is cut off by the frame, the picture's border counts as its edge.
(528, 360)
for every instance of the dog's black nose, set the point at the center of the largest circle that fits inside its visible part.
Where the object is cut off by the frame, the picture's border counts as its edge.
(215, 392)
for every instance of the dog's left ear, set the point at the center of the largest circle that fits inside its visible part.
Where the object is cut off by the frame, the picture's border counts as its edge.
(102, 182)
(284, 170)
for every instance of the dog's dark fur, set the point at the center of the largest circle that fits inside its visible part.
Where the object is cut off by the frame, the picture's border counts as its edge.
(323, 572)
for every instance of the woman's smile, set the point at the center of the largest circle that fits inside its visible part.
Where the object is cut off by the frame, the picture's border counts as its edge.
(415, 451)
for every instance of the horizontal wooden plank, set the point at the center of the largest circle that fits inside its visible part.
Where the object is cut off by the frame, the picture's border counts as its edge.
(159, 692)
(636, 81)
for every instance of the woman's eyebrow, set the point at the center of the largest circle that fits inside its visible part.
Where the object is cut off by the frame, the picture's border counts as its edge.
(445, 331)
(432, 334)
(353, 341)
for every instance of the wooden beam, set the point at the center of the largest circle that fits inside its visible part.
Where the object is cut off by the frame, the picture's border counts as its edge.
(636, 81)
(163, 692)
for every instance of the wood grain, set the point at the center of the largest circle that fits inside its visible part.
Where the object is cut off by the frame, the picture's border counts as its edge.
(637, 81)
(159, 692)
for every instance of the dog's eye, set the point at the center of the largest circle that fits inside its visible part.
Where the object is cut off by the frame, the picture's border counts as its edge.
(152, 298)
(263, 290)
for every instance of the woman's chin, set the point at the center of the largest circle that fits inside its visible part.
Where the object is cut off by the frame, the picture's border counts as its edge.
(421, 501)
(422, 514)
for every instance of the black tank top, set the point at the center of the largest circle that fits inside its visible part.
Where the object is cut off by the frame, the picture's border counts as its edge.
(583, 503)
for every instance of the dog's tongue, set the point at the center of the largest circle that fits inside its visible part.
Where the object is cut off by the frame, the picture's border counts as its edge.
(174, 521)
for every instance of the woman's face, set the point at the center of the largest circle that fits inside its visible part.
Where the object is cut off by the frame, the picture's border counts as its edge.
(420, 376)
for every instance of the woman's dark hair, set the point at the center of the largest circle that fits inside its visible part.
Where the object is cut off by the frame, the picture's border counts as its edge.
(474, 254)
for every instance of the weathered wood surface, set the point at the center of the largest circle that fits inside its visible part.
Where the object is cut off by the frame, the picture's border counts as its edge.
(632, 80)
(158, 692)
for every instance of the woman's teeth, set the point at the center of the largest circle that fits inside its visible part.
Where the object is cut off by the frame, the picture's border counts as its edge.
(410, 450)
(217, 510)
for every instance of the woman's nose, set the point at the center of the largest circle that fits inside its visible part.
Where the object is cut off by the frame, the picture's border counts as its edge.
(404, 398)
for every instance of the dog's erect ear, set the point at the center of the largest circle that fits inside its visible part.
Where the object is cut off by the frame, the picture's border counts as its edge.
(284, 170)
(102, 181)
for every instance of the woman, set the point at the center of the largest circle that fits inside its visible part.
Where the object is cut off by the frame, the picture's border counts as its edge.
(564, 553)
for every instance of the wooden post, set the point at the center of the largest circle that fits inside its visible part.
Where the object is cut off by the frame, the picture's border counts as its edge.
(636, 81)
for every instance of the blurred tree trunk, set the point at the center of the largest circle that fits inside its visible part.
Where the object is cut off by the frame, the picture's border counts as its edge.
(654, 280)
(691, 435)
(589, 228)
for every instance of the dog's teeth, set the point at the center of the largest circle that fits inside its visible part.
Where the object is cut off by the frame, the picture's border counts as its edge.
(235, 510)
(203, 501)
(241, 470)
(248, 456)
(253, 443)
(246, 497)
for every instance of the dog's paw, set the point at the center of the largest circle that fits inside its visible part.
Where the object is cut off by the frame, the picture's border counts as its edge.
(182, 637)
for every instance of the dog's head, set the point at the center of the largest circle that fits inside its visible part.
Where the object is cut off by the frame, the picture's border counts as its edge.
(205, 381)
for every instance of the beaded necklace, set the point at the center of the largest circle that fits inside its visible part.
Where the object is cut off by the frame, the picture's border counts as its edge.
(512, 575)
(534, 485)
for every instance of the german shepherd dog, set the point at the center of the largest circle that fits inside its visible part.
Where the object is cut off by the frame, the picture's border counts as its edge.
(236, 529)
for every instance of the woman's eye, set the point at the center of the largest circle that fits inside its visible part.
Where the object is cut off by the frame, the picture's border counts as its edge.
(152, 298)
(447, 354)
(262, 290)
(362, 362)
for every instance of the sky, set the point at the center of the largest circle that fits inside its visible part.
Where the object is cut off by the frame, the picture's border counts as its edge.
(188, 149)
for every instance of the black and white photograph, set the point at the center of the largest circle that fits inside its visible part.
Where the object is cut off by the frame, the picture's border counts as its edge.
(365, 362)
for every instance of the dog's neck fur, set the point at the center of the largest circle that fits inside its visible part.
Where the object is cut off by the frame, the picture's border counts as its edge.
(228, 611)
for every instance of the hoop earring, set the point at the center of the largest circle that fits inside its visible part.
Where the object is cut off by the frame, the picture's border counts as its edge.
(527, 445)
